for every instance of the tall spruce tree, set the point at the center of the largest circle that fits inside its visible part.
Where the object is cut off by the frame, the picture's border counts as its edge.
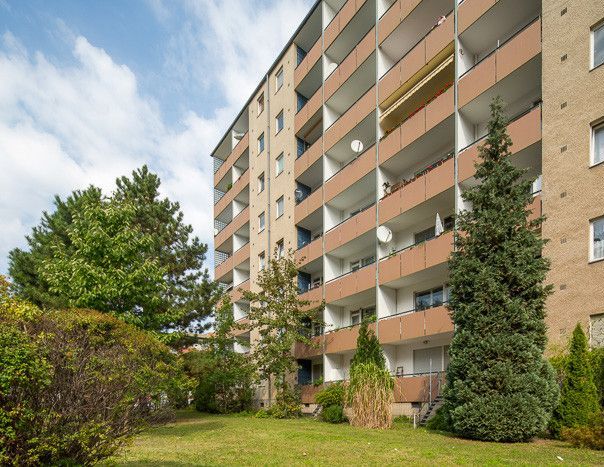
(368, 347)
(578, 396)
(499, 386)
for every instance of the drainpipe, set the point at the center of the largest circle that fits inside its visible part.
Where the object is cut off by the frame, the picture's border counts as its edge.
(267, 141)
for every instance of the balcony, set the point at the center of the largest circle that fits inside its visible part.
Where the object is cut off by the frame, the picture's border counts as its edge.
(350, 229)
(308, 112)
(305, 351)
(236, 294)
(309, 205)
(351, 173)
(233, 192)
(508, 57)
(427, 183)
(309, 252)
(415, 258)
(350, 283)
(419, 388)
(415, 324)
(308, 393)
(308, 157)
(307, 64)
(235, 154)
(341, 20)
(524, 130)
(227, 231)
(343, 339)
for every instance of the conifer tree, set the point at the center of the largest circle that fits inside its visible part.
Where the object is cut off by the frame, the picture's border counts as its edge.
(578, 396)
(368, 347)
(499, 386)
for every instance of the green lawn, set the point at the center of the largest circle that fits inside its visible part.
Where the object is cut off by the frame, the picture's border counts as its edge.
(197, 439)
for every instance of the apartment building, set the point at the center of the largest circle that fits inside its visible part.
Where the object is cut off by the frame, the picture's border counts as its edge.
(356, 148)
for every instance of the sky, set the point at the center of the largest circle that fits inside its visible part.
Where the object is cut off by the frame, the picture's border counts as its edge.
(92, 89)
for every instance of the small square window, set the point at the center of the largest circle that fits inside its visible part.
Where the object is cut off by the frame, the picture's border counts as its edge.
(279, 122)
(280, 206)
(260, 102)
(261, 261)
(279, 163)
(280, 249)
(597, 40)
(279, 79)
(597, 239)
(261, 183)
(261, 143)
(597, 150)
(261, 222)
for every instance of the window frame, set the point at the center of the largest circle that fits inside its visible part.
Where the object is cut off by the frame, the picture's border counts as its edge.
(261, 222)
(596, 127)
(279, 164)
(592, 249)
(261, 138)
(280, 248)
(280, 117)
(261, 261)
(281, 200)
(279, 76)
(592, 45)
(260, 104)
(261, 182)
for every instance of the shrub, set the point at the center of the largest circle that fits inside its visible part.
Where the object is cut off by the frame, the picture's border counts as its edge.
(287, 404)
(333, 414)
(334, 394)
(578, 397)
(439, 422)
(370, 394)
(596, 357)
(590, 436)
(76, 385)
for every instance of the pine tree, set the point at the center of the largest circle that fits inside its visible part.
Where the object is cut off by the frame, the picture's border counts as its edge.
(368, 347)
(499, 387)
(578, 396)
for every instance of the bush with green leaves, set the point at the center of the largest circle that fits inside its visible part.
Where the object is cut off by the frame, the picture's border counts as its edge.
(332, 394)
(287, 404)
(76, 385)
(590, 436)
(333, 414)
(596, 357)
(578, 395)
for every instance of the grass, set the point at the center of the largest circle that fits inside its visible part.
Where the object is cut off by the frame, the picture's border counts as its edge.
(200, 439)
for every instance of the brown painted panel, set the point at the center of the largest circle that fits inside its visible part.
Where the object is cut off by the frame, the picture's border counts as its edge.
(364, 106)
(223, 268)
(346, 13)
(241, 255)
(348, 230)
(440, 179)
(390, 330)
(350, 174)
(309, 391)
(301, 163)
(413, 61)
(440, 108)
(526, 130)
(301, 118)
(390, 82)
(439, 38)
(415, 388)
(309, 205)
(466, 161)
(314, 296)
(348, 65)
(439, 249)
(470, 10)
(332, 291)
(438, 321)
(413, 194)
(332, 239)
(332, 83)
(478, 80)
(519, 50)
(365, 279)
(412, 325)
(413, 259)
(408, 6)
(536, 208)
(348, 285)
(239, 149)
(390, 206)
(413, 128)
(366, 47)
(237, 294)
(341, 340)
(390, 269)
(365, 221)
(305, 351)
(389, 21)
(309, 252)
(331, 32)
(390, 145)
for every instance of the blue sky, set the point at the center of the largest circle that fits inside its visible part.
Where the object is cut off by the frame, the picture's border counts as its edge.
(90, 90)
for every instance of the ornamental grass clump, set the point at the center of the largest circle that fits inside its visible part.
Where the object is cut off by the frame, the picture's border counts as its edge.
(370, 395)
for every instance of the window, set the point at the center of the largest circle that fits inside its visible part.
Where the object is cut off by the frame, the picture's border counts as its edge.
(302, 146)
(280, 249)
(355, 317)
(597, 239)
(597, 144)
(424, 235)
(279, 79)
(261, 183)
(260, 102)
(361, 263)
(280, 207)
(279, 122)
(261, 222)
(300, 54)
(300, 101)
(261, 261)
(597, 40)
(261, 143)
(279, 164)
(429, 299)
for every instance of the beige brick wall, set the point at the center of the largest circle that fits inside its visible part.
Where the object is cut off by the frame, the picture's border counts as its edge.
(573, 193)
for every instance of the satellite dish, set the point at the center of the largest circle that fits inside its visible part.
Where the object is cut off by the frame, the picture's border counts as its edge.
(215, 232)
(356, 146)
(298, 194)
(384, 234)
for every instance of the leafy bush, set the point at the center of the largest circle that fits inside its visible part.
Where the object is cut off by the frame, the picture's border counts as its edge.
(333, 414)
(590, 436)
(334, 394)
(439, 422)
(288, 404)
(76, 385)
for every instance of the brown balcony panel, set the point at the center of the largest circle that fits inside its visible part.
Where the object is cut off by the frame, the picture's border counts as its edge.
(470, 10)
(350, 229)
(440, 37)
(417, 388)
(413, 259)
(440, 108)
(236, 294)
(309, 205)
(309, 110)
(524, 132)
(390, 329)
(239, 185)
(309, 252)
(223, 268)
(351, 118)
(353, 60)
(508, 58)
(308, 393)
(340, 21)
(307, 351)
(246, 327)
(342, 340)
(350, 284)
(241, 255)
(238, 221)
(313, 296)
(390, 206)
(536, 208)
(390, 269)
(394, 16)
(231, 158)
(437, 321)
(309, 157)
(416, 324)
(307, 63)
(350, 174)
(438, 249)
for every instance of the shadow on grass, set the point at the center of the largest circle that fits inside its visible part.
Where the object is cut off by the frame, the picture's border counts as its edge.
(183, 428)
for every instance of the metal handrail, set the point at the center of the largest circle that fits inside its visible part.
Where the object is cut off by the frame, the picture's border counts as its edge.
(413, 310)
(349, 272)
(352, 161)
(348, 218)
(400, 250)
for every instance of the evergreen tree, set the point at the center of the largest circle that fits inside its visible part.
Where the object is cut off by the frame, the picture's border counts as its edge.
(578, 396)
(368, 347)
(499, 386)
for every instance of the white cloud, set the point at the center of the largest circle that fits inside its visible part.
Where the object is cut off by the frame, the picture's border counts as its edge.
(63, 127)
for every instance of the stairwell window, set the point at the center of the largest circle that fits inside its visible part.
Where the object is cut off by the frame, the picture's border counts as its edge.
(261, 143)
(261, 261)
(261, 222)
(261, 183)
(280, 249)
(597, 144)
(597, 43)
(279, 122)
(279, 79)
(260, 103)
(279, 164)
(280, 206)
(597, 239)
